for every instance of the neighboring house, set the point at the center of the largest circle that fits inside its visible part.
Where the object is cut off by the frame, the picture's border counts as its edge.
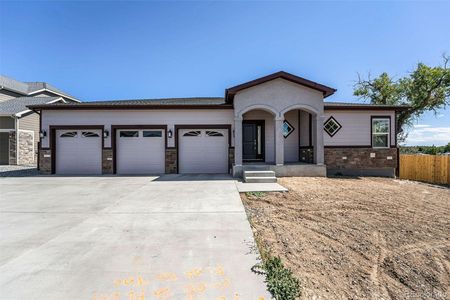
(19, 126)
(278, 122)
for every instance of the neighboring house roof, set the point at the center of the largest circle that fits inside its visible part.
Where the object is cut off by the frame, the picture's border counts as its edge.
(230, 92)
(31, 88)
(192, 103)
(19, 106)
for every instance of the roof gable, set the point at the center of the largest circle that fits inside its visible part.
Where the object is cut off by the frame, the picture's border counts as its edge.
(231, 92)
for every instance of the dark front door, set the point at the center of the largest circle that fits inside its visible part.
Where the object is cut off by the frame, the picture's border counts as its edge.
(253, 140)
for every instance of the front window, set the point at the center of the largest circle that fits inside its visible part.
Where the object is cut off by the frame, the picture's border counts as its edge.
(380, 132)
(287, 129)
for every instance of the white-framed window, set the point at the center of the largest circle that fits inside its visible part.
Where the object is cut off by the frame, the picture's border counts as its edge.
(381, 127)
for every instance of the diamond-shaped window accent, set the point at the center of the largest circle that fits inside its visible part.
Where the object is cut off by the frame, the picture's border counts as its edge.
(331, 126)
(287, 129)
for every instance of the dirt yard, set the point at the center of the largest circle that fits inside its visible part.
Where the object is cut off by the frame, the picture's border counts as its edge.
(349, 238)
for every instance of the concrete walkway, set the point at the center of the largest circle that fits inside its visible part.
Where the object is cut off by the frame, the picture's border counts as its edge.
(174, 237)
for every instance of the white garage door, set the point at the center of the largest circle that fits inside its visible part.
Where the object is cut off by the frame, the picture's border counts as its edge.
(203, 151)
(140, 151)
(79, 152)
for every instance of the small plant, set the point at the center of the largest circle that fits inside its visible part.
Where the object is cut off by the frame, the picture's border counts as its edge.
(255, 194)
(281, 283)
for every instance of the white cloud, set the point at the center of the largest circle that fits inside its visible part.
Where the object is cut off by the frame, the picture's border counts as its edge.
(421, 126)
(427, 135)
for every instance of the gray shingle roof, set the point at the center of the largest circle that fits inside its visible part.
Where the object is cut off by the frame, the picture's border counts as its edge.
(198, 101)
(27, 88)
(14, 85)
(20, 104)
(368, 105)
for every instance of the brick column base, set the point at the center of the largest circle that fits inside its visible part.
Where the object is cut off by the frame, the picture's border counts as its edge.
(45, 161)
(230, 157)
(107, 161)
(171, 161)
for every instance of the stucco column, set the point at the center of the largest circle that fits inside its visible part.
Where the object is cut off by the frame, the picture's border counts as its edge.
(319, 152)
(238, 141)
(279, 141)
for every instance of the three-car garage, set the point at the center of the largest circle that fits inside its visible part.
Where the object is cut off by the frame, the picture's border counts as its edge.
(140, 150)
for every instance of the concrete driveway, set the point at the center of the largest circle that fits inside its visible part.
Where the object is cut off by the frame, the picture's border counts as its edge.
(133, 238)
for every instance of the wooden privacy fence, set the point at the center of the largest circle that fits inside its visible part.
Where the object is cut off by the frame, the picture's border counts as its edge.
(429, 168)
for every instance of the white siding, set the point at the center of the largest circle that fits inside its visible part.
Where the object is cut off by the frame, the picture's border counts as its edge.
(134, 117)
(7, 95)
(356, 126)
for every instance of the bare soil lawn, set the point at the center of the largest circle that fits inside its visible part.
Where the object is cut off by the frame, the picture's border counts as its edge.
(358, 238)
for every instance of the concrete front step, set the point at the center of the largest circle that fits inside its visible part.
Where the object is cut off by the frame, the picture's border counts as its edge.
(260, 179)
(265, 173)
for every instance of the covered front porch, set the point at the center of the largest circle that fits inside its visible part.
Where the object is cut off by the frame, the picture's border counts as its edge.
(288, 142)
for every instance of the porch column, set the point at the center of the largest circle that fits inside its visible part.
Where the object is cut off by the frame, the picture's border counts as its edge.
(279, 141)
(238, 141)
(319, 152)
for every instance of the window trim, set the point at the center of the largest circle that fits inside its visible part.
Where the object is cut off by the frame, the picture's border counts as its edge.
(337, 130)
(290, 132)
(388, 133)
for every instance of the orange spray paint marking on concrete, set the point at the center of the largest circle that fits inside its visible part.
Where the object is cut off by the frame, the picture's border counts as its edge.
(194, 273)
(168, 276)
(132, 295)
(162, 293)
(218, 270)
(221, 285)
(193, 290)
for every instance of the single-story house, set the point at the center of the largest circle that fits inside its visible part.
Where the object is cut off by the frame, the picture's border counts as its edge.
(19, 126)
(279, 122)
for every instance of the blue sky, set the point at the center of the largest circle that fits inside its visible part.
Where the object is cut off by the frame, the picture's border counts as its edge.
(125, 50)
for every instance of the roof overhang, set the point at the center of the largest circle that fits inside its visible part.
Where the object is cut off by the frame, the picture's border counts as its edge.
(53, 92)
(329, 106)
(88, 106)
(231, 92)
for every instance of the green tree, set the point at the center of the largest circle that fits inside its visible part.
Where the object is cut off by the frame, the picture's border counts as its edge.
(424, 89)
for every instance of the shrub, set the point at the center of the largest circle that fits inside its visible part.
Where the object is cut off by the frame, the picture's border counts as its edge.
(255, 194)
(281, 283)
